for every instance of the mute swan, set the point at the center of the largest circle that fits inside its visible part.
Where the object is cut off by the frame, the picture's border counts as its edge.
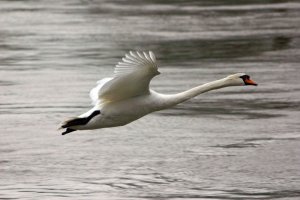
(126, 97)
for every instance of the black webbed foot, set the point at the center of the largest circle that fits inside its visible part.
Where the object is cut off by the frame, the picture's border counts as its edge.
(68, 130)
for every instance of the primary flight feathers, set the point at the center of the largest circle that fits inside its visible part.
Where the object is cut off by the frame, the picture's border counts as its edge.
(136, 61)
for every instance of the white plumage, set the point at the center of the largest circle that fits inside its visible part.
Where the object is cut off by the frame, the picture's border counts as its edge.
(126, 96)
(131, 78)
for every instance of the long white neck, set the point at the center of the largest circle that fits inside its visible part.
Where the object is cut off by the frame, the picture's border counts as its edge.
(171, 100)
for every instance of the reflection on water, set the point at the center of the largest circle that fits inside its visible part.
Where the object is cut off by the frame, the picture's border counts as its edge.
(236, 143)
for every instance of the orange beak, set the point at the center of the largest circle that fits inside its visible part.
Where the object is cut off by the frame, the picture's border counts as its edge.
(250, 82)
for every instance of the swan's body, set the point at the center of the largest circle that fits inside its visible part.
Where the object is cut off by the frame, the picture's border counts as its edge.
(127, 97)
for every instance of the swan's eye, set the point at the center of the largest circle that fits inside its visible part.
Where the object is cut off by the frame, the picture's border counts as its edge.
(247, 80)
(245, 77)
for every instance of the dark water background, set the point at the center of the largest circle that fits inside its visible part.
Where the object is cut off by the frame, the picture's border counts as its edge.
(236, 143)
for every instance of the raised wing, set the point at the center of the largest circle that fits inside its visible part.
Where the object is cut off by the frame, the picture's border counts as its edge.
(131, 78)
(135, 62)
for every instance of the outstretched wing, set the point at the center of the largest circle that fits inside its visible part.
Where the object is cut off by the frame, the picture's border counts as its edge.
(131, 78)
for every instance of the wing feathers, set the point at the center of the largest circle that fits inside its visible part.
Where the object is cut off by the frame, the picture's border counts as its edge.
(147, 57)
(136, 61)
(152, 56)
(131, 78)
(94, 93)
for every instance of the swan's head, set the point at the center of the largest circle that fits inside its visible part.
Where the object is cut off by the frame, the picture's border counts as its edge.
(240, 79)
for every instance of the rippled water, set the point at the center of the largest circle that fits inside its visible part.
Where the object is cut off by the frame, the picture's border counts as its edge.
(236, 143)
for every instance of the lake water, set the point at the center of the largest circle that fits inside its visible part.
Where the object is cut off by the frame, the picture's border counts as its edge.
(235, 143)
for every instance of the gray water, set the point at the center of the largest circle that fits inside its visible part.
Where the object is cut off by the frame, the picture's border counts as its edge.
(235, 143)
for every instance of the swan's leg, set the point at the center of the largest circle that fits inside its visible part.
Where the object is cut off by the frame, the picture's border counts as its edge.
(68, 130)
(75, 122)
(80, 121)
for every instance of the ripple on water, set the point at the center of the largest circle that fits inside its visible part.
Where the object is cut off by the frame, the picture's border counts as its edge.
(227, 107)
(52, 52)
(238, 145)
(227, 194)
(7, 83)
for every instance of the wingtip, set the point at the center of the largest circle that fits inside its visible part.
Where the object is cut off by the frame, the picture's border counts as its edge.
(152, 56)
(141, 54)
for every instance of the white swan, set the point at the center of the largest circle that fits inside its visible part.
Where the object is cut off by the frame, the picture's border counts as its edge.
(127, 97)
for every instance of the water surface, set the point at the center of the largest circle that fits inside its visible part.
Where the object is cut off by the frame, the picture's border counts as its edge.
(235, 143)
